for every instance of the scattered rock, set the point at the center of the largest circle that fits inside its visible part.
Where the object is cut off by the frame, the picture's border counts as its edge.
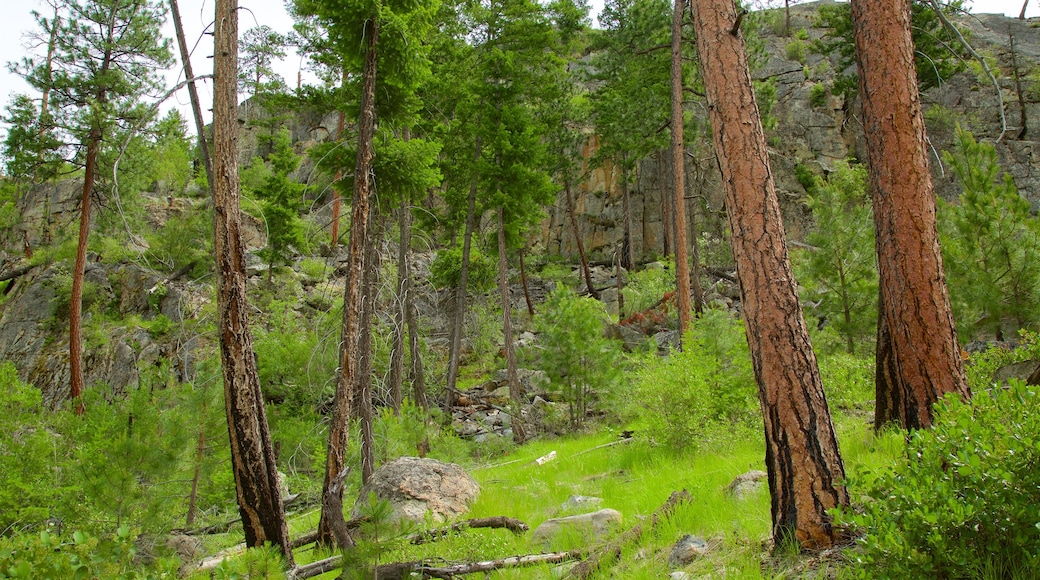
(746, 484)
(591, 526)
(1020, 370)
(686, 550)
(417, 486)
(581, 503)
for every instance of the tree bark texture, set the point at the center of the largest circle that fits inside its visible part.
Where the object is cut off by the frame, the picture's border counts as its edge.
(914, 309)
(339, 428)
(682, 259)
(802, 458)
(252, 455)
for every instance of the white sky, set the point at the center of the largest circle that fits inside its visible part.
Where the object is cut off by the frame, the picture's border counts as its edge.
(196, 14)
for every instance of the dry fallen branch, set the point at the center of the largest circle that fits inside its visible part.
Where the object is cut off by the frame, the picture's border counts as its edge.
(404, 570)
(489, 565)
(610, 552)
(512, 524)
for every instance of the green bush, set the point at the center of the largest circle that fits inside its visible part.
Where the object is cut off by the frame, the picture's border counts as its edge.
(818, 95)
(991, 245)
(49, 556)
(699, 395)
(581, 362)
(963, 503)
(647, 286)
(446, 270)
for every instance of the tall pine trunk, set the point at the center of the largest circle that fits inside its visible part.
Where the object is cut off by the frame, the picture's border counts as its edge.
(331, 524)
(802, 458)
(682, 259)
(252, 455)
(78, 273)
(577, 239)
(515, 394)
(918, 355)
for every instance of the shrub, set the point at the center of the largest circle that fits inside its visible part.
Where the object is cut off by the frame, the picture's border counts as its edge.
(446, 270)
(702, 392)
(577, 356)
(818, 95)
(991, 245)
(963, 503)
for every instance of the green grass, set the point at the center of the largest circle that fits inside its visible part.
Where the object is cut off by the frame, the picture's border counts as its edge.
(634, 478)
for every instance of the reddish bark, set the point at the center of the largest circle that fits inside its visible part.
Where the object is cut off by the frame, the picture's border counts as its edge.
(802, 457)
(922, 363)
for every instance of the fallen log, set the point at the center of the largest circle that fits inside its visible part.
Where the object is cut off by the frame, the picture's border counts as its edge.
(512, 524)
(424, 569)
(499, 564)
(611, 551)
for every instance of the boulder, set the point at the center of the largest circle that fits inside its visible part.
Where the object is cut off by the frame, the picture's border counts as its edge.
(595, 525)
(686, 550)
(1020, 370)
(746, 484)
(416, 486)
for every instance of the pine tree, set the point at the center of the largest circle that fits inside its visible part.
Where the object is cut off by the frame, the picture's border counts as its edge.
(104, 59)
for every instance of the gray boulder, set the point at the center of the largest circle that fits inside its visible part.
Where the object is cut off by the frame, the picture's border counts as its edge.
(686, 550)
(746, 484)
(417, 486)
(595, 525)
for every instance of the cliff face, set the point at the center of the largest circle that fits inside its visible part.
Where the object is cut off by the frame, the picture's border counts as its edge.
(817, 133)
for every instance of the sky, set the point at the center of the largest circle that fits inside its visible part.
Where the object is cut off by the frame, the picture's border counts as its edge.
(196, 14)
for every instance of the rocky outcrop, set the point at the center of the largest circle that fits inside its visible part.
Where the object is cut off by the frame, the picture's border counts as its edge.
(34, 327)
(811, 134)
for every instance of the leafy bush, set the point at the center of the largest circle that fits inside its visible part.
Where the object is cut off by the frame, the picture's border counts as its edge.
(576, 354)
(963, 503)
(645, 287)
(818, 95)
(446, 270)
(49, 556)
(701, 394)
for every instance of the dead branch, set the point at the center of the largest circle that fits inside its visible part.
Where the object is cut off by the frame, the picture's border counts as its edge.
(512, 524)
(405, 570)
(985, 67)
(610, 552)
(501, 563)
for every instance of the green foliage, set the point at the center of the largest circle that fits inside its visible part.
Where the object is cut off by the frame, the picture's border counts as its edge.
(27, 446)
(818, 95)
(281, 202)
(937, 54)
(797, 50)
(172, 154)
(848, 380)
(962, 504)
(695, 398)
(294, 360)
(184, 241)
(839, 272)
(991, 245)
(645, 287)
(50, 556)
(582, 363)
(446, 270)
(260, 47)
(378, 533)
